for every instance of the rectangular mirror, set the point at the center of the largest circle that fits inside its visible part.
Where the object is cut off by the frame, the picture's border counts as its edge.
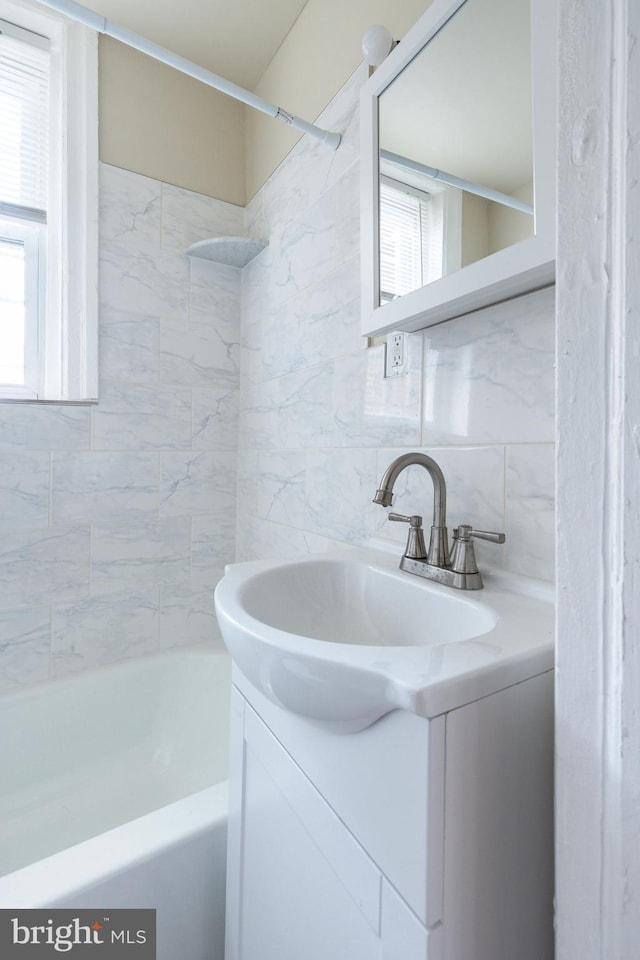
(458, 157)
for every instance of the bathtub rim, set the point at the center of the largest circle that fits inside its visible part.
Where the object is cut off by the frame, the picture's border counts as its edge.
(63, 874)
(25, 691)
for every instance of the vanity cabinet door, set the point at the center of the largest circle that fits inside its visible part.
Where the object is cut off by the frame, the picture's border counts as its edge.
(299, 884)
(385, 783)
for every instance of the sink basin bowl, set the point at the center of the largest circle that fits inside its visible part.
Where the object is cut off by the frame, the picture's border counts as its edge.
(343, 601)
(345, 638)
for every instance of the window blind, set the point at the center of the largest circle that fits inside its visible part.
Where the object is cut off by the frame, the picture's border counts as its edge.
(411, 239)
(24, 122)
(400, 242)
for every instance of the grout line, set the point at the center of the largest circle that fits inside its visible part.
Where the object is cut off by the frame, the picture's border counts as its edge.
(50, 505)
(507, 550)
(50, 656)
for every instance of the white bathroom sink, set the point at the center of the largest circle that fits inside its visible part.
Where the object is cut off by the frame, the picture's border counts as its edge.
(347, 637)
(344, 601)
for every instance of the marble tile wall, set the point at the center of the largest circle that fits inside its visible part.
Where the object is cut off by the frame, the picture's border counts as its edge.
(117, 519)
(319, 424)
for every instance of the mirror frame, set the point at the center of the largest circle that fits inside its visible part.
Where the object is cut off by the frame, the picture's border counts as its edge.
(522, 267)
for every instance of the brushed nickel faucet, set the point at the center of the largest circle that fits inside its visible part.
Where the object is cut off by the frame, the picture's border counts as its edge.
(459, 570)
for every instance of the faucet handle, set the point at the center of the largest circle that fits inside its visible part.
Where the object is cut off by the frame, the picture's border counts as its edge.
(415, 548)
(486, 535)
(464, 532)
(414, 519)
(463, 558)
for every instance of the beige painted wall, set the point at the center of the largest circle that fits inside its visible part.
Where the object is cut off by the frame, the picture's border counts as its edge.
(507, 226)
(163, 124)
(316, 58)
(488, 227)
(475, 228)
(156, 121)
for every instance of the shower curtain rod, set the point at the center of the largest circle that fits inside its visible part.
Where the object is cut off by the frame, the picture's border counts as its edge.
(453, 181)
(96, 22)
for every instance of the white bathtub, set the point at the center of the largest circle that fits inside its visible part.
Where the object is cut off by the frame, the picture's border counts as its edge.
(113, 794)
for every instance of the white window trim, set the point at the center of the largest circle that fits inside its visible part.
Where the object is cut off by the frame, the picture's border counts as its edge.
(69, 360)
(33, 237)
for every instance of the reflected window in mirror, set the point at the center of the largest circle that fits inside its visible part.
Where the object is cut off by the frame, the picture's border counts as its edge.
(456, 126)
(410, 243)
(420, 235)
(459, 121)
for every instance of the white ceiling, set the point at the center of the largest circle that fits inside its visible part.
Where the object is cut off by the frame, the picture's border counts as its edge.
(234, 38)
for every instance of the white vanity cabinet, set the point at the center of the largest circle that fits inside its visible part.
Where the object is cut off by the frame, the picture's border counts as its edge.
(412, 839)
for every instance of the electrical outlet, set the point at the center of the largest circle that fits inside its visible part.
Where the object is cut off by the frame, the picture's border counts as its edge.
(395, 356)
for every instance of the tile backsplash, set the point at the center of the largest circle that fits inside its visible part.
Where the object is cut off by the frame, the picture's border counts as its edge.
(117, 519)
(319, 424)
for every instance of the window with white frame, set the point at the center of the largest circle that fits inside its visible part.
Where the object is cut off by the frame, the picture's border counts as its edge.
(420, 235)
(411, 239)
(48, 206)
(24, 186)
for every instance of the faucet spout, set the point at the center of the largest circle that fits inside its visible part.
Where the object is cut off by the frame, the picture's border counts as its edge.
(438, 553)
